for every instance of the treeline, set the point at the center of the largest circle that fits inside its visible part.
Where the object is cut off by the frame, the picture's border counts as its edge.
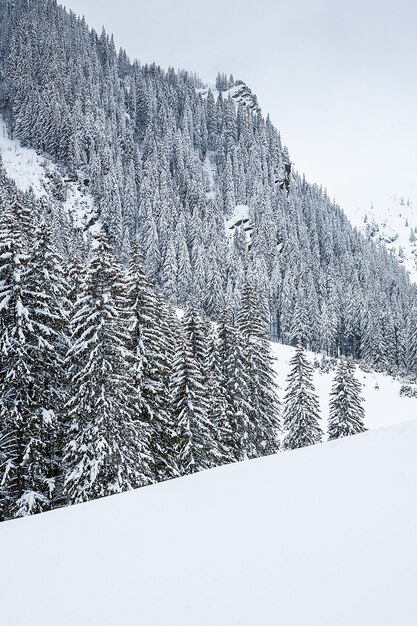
(166, 159)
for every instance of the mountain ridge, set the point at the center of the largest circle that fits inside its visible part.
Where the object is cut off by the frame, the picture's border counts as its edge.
(141, 137)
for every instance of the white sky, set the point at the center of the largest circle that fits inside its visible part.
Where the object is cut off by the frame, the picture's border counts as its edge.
(338, 77)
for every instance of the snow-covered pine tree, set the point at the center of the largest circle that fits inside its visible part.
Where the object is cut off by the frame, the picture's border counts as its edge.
(235, 375)
(106, 450)
(264, 424)
(33, 344)
(301, 406)
(151, 346)
(217, 402)
(346, 414)
(16, 399)
(410, 334)
(195, 332)
(49, 313)
(195, 444)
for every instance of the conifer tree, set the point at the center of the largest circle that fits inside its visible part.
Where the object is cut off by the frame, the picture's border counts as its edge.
(150, 344)
(107, 448)
(33, 344)
(217, 402)
(235, 375)
(346, 415)
(195, 332)
(195, 444)
(262, 398)
(17, 404)
(49, 312)
(301, 407)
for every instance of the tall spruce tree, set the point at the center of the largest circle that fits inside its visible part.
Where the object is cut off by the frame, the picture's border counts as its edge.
(17, 403)
(33, 344)
(235, 376)
(195, 444)
(150, 344)
(264, 422)
(195, 332)
(346, 415)
(301, 406)
(217, 402)
(107, 448)
(49, 313)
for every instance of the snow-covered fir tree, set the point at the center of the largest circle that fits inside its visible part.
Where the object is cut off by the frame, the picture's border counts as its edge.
(196, 333)
(218, 410)
(107, 447)
(33, 328)
(150, 345)
(17, 407)
(235, 379)
(194, 432)
(264, 422)
(301, 406)
(346, 413)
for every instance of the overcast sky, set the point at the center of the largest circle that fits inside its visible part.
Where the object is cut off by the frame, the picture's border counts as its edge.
(338, 77)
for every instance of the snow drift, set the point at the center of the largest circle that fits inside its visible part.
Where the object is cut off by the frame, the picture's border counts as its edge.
(324, 536)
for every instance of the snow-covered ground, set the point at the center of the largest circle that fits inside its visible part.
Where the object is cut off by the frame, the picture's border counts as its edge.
(23, 165)
(28, 169)
(383, 404)
(324, 536)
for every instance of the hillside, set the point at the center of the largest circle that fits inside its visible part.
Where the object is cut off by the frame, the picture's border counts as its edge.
(166, 161)
(332, 542)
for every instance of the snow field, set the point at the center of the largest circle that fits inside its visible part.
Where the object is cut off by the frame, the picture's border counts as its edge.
(322, 536)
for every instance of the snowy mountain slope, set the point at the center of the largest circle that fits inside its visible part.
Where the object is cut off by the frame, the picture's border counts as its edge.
(331, 533)
(390, 219)
(383, 403)
(29, 170)
(393, 221)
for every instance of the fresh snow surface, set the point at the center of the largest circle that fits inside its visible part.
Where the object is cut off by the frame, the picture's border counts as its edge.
(23, 165)
(383, 404)
(30, 170)
(324, 536)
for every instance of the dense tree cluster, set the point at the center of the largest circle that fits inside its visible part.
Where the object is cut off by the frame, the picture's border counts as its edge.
(102, 388)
